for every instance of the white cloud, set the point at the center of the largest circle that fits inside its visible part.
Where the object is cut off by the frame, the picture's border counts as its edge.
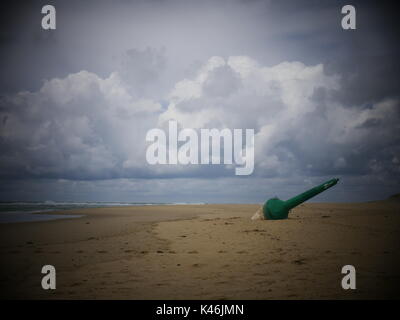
(78, 126)
(84, 126)
(299, 127)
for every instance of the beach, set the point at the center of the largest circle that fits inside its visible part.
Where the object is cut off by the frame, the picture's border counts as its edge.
(210, 251)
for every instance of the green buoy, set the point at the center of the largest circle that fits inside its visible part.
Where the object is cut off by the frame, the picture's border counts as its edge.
(275, 209)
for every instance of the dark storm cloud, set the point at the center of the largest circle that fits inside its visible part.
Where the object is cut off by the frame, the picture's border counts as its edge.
(370, 67)
(76, 102)
(142, 71)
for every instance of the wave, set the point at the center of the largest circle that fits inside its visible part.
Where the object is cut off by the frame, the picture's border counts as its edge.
(48, 205)
(26, 211)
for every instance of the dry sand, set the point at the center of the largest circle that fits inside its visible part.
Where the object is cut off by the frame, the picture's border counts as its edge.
(206, 252)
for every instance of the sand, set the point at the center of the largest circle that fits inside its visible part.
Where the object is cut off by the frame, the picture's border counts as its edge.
(206, 252)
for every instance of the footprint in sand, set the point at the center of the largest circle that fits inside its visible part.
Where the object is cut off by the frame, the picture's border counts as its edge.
(277, 261)
(193, 252)
(299, 261)
(161, 284)
(253, 230)
(102, 251)
(196, 265)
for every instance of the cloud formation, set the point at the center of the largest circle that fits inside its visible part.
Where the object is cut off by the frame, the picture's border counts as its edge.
(76, 103)
(87, 127)
(78, 127)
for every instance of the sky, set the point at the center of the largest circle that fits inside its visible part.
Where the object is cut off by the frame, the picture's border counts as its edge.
(76, 102)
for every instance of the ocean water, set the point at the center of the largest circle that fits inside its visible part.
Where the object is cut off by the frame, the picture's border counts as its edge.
(11, 212)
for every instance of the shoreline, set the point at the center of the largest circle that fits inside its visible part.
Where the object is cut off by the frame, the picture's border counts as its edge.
(74, 213)
(209, 251)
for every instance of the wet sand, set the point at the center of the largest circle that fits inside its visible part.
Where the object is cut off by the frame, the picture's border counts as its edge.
(206, 252)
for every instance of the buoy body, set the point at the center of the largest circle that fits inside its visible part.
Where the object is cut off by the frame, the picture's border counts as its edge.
(276, 209)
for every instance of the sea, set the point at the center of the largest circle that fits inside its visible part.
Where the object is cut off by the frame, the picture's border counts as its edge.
(13, 212)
